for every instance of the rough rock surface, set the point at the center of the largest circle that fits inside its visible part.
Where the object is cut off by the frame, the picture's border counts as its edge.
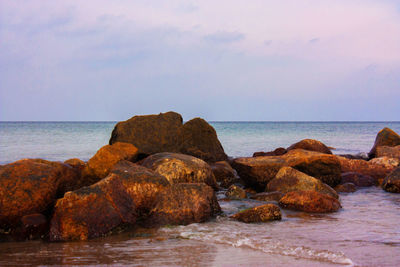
(264, 213)
(309, 201)
(358, 179)
(184, 204)
(346, 188)
(387, 151)
(165, 132)
(385, 137)
(76, 163)
(392, 182)
(277, 152)
(235, 192)
(311, 145)
(386, 161)
(268, 196)
(224, 173)
(180, 168)
(289, 179)
(377, 171)
(106, 157)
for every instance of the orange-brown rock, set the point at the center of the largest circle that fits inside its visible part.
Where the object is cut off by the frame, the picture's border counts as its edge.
(224, 173)
(309, 201)
(346, 188)
(392, 182)
(258, 171)
(311, 145)
(387, 151)
(165, 133)
(358, 179)
(385, 137)
(277, 152)
(106, 157)
(92, 211)
(31, 186)
(32, 226)
(289, 179)
(268, 196)
(386, 161)
(377, 171)
(264, 213)
(76, 163)
(235, 192)
(180, 168)
(184, 204)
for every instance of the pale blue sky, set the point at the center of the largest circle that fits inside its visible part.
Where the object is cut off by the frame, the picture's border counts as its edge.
(220, 60)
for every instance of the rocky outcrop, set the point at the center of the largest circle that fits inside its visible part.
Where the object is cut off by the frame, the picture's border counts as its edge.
(258, 171)
(99, 166)
(235, 192)
(311, 145)
(32, 226)
(346, 188)
(358, 179)
(184, 204)
(264, 213)
(289, 179)
(165, 132)
(268, 196)
(386, 161)
(309, 201)
(377, 171)
(277, 152)
(387, 151)
(224, 174)
(31, 186)
(180, 168)
(76, 163)
(392, 182)
(385, 137)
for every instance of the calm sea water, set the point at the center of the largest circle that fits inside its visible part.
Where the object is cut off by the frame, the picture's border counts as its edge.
(365, 232)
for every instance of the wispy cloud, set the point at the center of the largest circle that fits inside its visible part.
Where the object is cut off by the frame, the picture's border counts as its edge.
(224, 37)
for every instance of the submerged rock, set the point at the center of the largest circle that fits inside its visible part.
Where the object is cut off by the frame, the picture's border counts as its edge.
(32, 226)
(392, 182)
(235, 192)
(358, 179)
(264, 213)
(224, 173)
(377, 171)
(385, 137)
(180, 168)
(309, 201)
(311, 145)
(289, 179)
(346, 188)
(165, 132)
(268, 196)
(184, 204)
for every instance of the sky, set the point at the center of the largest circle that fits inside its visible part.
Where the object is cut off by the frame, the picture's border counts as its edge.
(226, 60)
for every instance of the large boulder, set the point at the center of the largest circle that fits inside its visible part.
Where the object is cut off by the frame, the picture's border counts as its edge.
(277, 152)
(358, 179)
(385, 137)
(258, 171)
(99, 166)
(184, 204)
(264, 213)
(180, 168)
(32, 186)
(165, 132)
(224, 174)
(289, 179)
(268, 196)
(388, 151)
(377, 171)
(311, 145)
(92, 211)
(309, 201)
(386, 161)
(392, 182)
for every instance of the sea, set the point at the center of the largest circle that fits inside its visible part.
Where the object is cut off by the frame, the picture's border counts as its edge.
(365, 232)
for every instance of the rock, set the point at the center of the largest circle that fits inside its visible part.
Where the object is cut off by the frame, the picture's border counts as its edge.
(76, 163)
(362, 155)
(142, 184)
(358, 179)
(309, 201)
(387, 151)
(376, 171)
(258, 171)
(224, 173)
(264, 213)
(31, 186)
(386, 161)
(346, 188)
(385, 137)
(268, 196)
(32, 226)
(277, 152)
(92, 211)
(311, 145)
(235, 192)
(289, 179)
(106, 157)
(153, 134)
(180, 168)
(392, 182)
(184, 204)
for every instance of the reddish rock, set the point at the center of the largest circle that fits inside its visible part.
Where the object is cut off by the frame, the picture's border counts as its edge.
(392, 182)
(386, 161)
(309, 201)
(268, 196)
(235, 192)
(180, 168)
(311, 145)
(224, 173)
(264, 213)
(165, 132)
(33, 226)
(103, 161)
(76, 163)
(358, 179)
(377, 171)
(387, 151)
(277, 152)
(346, 188)
(184, 204)
(289, 179)
(385, 137)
